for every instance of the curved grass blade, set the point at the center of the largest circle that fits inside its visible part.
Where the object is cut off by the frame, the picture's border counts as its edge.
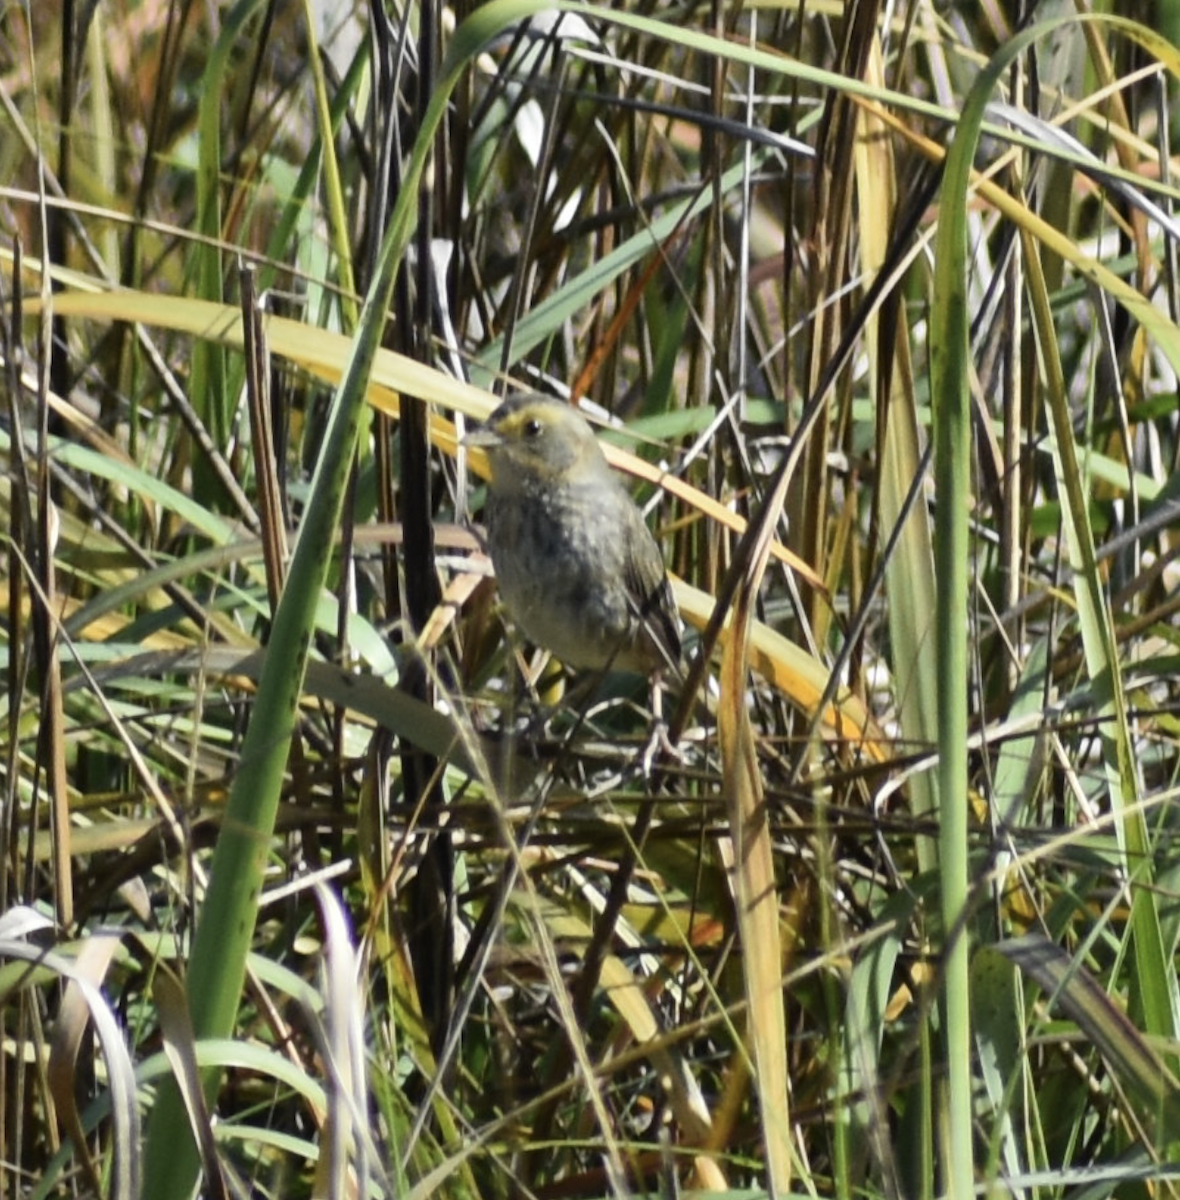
(950, 360)
(1131, 1057)
(217, 965)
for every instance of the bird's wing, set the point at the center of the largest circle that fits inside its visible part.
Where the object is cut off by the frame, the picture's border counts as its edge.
(650, 593)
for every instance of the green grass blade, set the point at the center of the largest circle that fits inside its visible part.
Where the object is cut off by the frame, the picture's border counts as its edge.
(950, 390)
(217, 965)
(210, 385)
(1157, 983)
(1131, 1056)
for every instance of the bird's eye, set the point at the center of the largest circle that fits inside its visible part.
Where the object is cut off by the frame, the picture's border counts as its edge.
(532, 427)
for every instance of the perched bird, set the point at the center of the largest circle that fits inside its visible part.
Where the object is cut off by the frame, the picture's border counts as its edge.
(579, 570)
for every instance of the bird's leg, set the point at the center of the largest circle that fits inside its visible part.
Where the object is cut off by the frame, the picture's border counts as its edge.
(658, 744)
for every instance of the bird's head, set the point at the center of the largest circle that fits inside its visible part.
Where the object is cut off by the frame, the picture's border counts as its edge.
(540, 440)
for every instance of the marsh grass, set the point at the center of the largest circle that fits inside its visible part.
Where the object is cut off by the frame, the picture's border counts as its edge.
(305, 852)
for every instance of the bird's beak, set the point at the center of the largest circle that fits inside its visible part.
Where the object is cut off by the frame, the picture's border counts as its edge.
(482, 439)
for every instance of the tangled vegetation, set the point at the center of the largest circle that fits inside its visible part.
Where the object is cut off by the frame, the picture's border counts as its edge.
(314, 879)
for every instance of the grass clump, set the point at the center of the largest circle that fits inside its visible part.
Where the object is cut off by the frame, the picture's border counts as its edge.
(878, 309)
